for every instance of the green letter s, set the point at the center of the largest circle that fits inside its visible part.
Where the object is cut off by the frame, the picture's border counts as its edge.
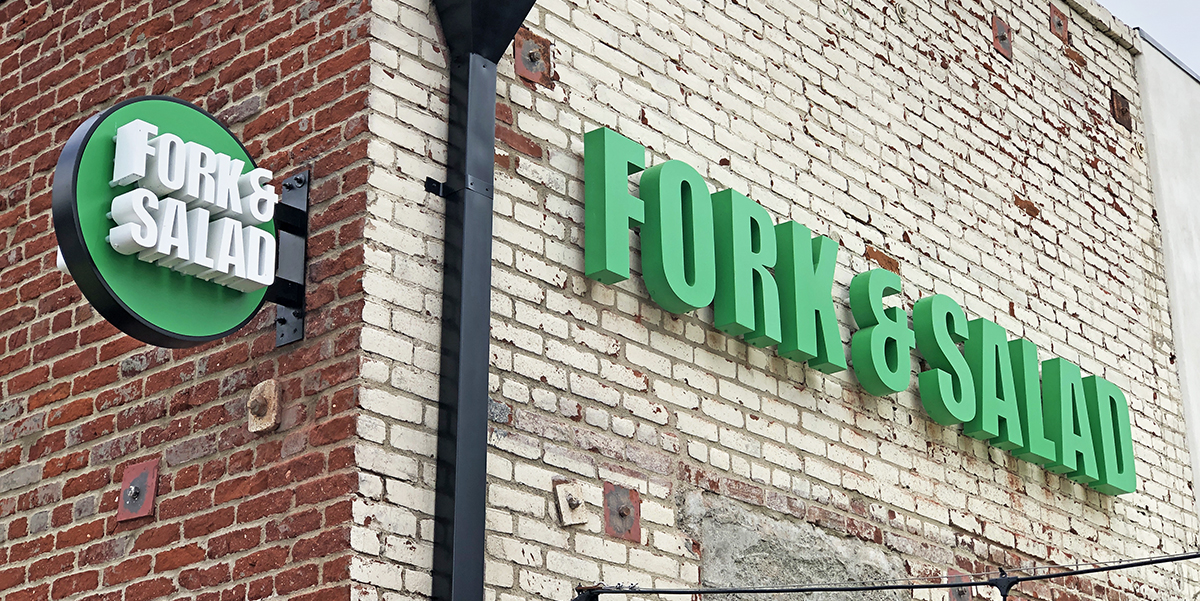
(947, 391)
(998, 418)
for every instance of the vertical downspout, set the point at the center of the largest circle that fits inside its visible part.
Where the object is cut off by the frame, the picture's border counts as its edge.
(477, 32)
(466, 322)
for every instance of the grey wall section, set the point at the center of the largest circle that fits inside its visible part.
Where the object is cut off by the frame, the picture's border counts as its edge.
(1171, 108)
(742, 547)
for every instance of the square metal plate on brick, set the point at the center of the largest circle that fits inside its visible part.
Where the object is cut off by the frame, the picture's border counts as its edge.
(533, 58)
(622, 512)
(571, 508)
(138, 487)
(961, 593)
(1120, 110)
(1058, 24)
(1002, 37)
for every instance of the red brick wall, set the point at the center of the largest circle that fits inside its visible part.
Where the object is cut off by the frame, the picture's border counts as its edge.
(238, 516)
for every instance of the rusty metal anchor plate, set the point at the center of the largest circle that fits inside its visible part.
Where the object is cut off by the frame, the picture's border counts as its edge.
(533, 58)
(961, 593)
(1058, 24)
(1120, 110)
(622, 512)
(1002, 37)
(138, 488)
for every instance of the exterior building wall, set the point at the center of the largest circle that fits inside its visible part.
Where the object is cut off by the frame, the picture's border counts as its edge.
(238, 516)
(1006, 185)
(1170, 97)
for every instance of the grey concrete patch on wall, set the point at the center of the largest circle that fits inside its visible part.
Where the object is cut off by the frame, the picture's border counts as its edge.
(745, 547)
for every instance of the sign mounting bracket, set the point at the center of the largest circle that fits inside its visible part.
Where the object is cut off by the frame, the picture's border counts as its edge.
(288, 291)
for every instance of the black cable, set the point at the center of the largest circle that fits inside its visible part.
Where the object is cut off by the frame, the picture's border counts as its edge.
(1003, 582)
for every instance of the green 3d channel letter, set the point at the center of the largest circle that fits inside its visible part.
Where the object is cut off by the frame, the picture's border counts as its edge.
(1112, 433)
(1028, 384)
(747, 300)
(804, 273)
(998, 418)
(1068, 421)
(946, 389)
(610, 210)
(882, 347)
(678, 260)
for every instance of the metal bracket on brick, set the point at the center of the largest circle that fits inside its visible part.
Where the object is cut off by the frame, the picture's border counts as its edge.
(1120, 110)
(288, 291)
(622, 512)
(139, 486)
(533, 58)
(1058, 24)
(1002, 37)
(571, 508)
(262, 408)
(961, 593)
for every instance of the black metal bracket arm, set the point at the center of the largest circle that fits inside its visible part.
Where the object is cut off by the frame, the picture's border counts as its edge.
(288, 291)
(437, 188)
(442, 189)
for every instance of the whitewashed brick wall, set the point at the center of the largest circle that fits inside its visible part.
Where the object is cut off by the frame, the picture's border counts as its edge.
(907, 135)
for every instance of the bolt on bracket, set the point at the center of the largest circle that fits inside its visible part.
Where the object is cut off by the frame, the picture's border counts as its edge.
(569, 496)
(960, 593)
(533, 58)
(262, 408)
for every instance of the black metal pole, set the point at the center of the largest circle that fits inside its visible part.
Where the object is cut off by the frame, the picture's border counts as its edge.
(466, 314)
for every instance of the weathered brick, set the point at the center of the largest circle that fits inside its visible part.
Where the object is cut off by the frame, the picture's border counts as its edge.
(260, 561)
(80, 535)
(204, 578)
(157, 537)
(232, 542)
(178, 557)
(71, 585)
(149, 589)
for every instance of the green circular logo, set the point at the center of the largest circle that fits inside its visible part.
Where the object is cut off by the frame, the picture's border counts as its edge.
(165, 222)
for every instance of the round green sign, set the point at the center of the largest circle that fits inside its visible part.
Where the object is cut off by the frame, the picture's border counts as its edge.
(103, 207)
